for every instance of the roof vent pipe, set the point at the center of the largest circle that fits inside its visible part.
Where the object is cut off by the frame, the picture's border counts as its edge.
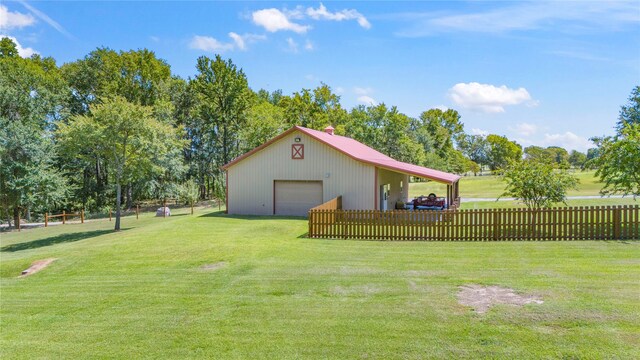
(329, 130)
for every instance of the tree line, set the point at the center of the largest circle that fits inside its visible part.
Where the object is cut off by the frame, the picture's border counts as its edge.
(117, 127)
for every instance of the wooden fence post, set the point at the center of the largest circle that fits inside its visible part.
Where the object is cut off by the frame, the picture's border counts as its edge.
(496, 225)
(46, 219)
(82, 216)
(64, 217)
(137, 211)
(192, 208)
(109, 214)
(616, 223)
(164, 208)
(18, 226)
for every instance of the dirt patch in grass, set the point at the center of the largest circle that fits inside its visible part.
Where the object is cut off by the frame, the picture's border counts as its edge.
(481, 298)
(214, 266)
(37, 266)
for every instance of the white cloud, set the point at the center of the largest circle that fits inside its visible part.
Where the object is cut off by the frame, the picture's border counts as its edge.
(339, 90)
(308, 45)
(567, 16)
(476, 131)
(154, 39)
(207, 43)
(568, 140)
(321, 13)
(525, 129)
(210, 44)
(362, 90)
(25, 52)
(275, 20)
(367, 100)
(441, 107)
(292, 45)
(241, 41)
(488, 98)
(44, 17)
(14, 20)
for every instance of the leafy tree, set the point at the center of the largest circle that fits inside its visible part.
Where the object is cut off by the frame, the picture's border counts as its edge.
(502, 151)
(8, 48)
(138, 76)
(190, 193)
(577, 159)
(537, 184)
(537, 153)
(559, 156)
(630, 113)
(126, 135)
(314, 109)
(264, 122)
(445, 128)
(476, 148)
(618, 162)
(32, 97)
(386, 130)
(222, 99)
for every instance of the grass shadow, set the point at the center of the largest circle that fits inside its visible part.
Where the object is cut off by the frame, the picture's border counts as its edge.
(53, 240)
(252, 217)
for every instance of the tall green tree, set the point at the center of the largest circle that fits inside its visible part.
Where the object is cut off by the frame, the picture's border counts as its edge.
(502, 151)
(125, 134)
(630, 113)
(445, 128)
(618, 163)
(386, 130)
(223, 98)
(264, 121)
(32, 97)
(314, 109)
(136, 75)
(577, 159)
(476, 148)
(8, 48)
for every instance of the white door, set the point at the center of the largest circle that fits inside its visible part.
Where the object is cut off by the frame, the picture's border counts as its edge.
(384, 197)
(297, 197)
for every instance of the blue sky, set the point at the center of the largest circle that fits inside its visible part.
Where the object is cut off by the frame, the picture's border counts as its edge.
(543, 73)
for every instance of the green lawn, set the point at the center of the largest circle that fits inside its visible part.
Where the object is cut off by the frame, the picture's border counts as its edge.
(141, 293)
(572, 202)
(492, 186)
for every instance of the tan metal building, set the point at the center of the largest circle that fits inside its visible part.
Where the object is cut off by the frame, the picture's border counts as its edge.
(302, 168)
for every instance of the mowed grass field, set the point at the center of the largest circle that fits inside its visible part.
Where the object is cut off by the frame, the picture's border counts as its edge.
(274, 294)
(491, 187)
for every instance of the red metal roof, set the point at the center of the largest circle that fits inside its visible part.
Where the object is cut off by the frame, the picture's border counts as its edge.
(360, 152)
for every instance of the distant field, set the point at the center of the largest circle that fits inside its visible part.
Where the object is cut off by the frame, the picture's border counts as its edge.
(216, 286)
(576, 202)
(491, 186)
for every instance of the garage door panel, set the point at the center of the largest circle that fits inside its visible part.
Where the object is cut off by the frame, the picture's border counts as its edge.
(297, 197)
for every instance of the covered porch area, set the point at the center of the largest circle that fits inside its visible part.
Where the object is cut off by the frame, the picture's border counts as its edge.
(392, 189)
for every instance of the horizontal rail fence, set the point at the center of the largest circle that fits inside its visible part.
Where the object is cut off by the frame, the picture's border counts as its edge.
(64, 217)
(569, 223)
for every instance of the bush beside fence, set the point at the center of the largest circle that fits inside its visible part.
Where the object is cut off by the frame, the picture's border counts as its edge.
(569, 223)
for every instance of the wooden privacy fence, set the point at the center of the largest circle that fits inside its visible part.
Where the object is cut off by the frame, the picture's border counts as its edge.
(570, 223)
(64, 217)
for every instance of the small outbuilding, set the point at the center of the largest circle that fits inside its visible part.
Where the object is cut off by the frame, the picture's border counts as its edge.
(302, 168)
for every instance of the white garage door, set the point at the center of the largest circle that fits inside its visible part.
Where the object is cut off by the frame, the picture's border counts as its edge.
(297, 197)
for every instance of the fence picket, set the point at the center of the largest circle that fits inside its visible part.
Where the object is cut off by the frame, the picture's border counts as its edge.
(571, 223)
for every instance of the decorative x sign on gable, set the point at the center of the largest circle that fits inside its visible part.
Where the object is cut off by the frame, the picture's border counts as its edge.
(297, 151)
